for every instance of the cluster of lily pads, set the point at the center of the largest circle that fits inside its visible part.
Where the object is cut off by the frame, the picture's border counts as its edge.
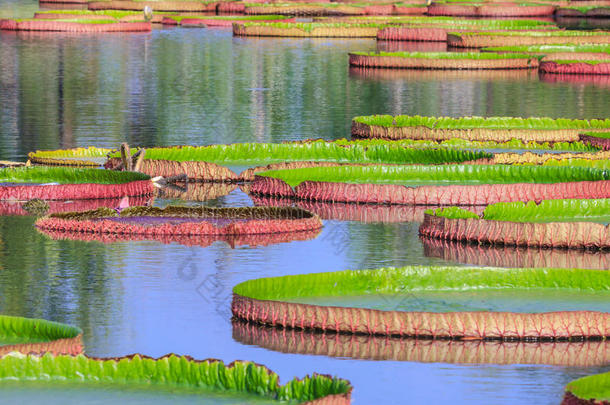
(427, 158)
(443, 22)
(549, 188)
(50, 353)
(528, 196)
(457, 33)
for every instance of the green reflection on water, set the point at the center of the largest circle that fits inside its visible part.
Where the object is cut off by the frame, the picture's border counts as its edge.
(66, 281)
(18, 8)
(179, 86)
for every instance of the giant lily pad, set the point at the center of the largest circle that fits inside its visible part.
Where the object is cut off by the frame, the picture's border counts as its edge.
(68, 378)
(435, 302)
(186, 225)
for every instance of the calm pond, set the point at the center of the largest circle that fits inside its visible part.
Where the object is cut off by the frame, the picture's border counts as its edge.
(202, 86)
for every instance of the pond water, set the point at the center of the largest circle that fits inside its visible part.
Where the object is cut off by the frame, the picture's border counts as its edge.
(202, 86)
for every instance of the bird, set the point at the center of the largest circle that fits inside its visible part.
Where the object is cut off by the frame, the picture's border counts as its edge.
(148, 13)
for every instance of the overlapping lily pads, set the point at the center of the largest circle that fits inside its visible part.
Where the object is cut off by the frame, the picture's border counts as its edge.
(565, 51)
(403, 151)
(517, 38)
(571, 223)
(484, 9)
(434, 185)
(498, 129)
(220, 21)
(437, 28)
(599, 160)
(307, 30)
(319, 9)
(156, 5)
(119, 15)
(204, 163)
(597, 139)
(365, 213)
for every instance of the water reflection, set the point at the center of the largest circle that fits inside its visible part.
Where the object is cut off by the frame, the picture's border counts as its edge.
(178, 193)
(365, 347)
(62, 281)
(513, 76)
(577, 81)
(499, 256)
(202, 86)
(187, 240)
(9, 208)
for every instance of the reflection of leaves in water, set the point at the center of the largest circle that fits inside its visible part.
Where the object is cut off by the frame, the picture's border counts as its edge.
(36, 207)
